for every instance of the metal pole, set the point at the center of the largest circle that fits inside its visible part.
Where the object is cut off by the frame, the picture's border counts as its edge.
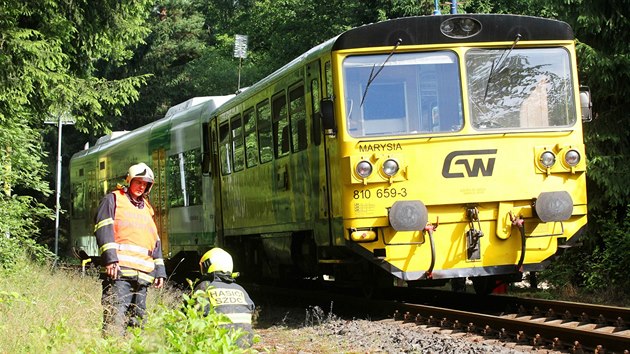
(454, 7)
(58, 188)
(436, 10)
(240, 63)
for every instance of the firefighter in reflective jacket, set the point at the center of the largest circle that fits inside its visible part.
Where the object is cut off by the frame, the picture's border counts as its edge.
(131, 254)
(225, 296)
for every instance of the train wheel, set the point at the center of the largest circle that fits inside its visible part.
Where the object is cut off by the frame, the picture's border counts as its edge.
(370, 290)
(483, 285)
(375, 282)
(458, 285)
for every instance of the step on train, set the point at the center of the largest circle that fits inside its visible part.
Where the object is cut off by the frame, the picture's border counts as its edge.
(407, 152)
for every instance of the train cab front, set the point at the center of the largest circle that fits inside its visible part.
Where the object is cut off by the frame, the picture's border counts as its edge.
(425, 230)
(448, 174)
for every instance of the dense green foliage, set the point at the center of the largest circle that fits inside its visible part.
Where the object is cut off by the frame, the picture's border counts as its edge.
(101, 61)
(603, 63)
(49, 53)
(177, 330)
(51, 321)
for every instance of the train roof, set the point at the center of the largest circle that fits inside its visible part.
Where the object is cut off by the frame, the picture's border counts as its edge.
(176, 113)
(307, 56)
(426, 30)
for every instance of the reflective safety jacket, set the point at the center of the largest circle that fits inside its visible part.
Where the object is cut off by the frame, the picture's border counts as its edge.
(126, 233)
(231, 300)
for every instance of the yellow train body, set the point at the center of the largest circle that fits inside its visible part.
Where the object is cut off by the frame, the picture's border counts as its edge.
(508, 191)
(495, 174)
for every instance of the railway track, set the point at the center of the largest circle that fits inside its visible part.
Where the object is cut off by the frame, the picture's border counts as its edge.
(555, 325)
(543, 332)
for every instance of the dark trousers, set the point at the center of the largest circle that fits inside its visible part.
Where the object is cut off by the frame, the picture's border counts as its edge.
(124, 304)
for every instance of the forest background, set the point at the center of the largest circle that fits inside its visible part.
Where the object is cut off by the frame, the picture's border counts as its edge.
(117, 65)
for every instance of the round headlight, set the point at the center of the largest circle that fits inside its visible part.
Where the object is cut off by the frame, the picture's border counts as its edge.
(364, 169)
(447, 27)
(467, 24)
(547, 159)
(460, 27)
(390, 167)
(572, 158)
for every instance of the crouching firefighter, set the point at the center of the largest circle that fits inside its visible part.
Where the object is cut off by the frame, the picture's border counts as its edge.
(131, 253)
(225, 296)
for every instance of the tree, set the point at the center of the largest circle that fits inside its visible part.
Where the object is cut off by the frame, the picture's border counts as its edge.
(50, 53)
(601, 29)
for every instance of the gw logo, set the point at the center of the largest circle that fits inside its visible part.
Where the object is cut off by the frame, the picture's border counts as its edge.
(471, 170)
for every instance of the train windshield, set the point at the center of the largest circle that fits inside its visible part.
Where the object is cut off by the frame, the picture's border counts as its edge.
(402, 94)
(520, 88)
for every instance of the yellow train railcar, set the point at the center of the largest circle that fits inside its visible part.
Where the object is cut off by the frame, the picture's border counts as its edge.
(410, 151)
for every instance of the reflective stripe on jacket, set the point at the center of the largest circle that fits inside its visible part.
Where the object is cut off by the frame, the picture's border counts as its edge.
(229, 299)
(135, 234)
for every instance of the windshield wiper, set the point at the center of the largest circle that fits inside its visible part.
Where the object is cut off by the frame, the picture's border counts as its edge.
(374, 75)
(499, 63)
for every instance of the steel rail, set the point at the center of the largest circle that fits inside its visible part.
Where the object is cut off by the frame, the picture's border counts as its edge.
(522, 329)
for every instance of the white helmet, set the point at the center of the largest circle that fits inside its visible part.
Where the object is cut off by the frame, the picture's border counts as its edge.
(142, 171)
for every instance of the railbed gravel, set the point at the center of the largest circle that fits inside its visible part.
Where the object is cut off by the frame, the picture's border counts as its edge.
(288, 330)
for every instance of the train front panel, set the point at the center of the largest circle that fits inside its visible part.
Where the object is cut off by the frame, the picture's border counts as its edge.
(463, 158)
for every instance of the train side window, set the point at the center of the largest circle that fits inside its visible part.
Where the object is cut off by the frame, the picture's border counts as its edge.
(173, 185)
(224, 149)
(317, 120)
(265, 141)
(297, 114)
(206, 157)
(251, 143)
(237, 143)
(329, 85)
(191, 183)
(280, 125)
(184, 182)
(78, 200)
(113, 183)
(91, 189)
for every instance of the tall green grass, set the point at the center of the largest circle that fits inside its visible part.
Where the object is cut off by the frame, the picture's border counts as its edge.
(59, 311)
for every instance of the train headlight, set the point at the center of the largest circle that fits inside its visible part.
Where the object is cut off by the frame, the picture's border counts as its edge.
(467, 24)
(572, 158)
(460, 27)
(364, 169)
(390, 167)
(548, 159)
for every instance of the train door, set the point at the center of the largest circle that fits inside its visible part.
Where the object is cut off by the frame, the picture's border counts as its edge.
(331, 156)
(158, 199)
(94, 199)
(207, 185)
(84, 205)
(215, 175)
(322, 195)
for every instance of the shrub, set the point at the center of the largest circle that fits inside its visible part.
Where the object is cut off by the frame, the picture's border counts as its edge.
(182, 329)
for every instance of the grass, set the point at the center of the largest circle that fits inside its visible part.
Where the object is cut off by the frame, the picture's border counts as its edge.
(46, 311)
(569, 292)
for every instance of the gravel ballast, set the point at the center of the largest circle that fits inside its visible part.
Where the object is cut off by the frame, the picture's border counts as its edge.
(288, 330)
